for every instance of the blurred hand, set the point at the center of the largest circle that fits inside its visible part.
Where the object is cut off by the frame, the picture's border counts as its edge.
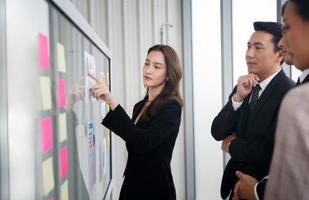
(244, 86)
(101, 91)
(76, 93)
(226, 142)
(244, 188)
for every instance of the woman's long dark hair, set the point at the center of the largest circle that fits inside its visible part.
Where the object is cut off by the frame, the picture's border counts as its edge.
(171, 87)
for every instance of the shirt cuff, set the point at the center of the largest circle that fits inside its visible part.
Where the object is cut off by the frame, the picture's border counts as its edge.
(235, 104)
(255, 192)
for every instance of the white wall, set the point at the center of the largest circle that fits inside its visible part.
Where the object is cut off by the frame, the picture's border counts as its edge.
(206, 38)
(133, 27)
(22, 104)
(244, 14)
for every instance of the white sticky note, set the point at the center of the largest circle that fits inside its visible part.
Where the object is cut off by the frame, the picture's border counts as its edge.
(61, 58)
(48, 176)
(90, 67)
(64, 191)
(45, 92)
(62, 121)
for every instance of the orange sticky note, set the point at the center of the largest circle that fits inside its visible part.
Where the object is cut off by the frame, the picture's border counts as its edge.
(44, 58)
(46, 134)
(64, 162)
(61, 93)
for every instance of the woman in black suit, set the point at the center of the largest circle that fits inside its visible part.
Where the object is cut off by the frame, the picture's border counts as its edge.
(151, 133)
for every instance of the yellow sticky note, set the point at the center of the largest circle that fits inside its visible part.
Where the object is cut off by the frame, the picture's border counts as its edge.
(61, 58)
(106, 108)
(107, 79)
(62, 121)
(108, 138)
(64, 191)
(48, 176)
(45, 92)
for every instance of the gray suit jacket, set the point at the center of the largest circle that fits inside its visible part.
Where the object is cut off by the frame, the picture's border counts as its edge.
(288, 177)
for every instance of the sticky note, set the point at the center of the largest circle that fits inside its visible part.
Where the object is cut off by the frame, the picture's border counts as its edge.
(64, 191)
(90, 67)
(45, 92)
(61, 93)
(48, 176)
(64, 161)
(51, 198)
(61, 58)
(108, 138)
(107, 79)
(62, 121)
(44, 58)
(46, 134)
(106, 108)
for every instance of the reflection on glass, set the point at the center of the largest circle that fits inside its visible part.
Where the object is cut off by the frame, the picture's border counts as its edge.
(81, 154)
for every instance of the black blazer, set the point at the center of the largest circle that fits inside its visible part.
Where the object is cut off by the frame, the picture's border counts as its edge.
(150, 146)
(252, 150)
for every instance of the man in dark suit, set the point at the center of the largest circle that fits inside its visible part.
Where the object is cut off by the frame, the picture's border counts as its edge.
(246, 124)
(249, 188)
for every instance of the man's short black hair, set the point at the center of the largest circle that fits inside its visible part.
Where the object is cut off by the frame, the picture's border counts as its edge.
(302, 8)
(274, 28)
(283, 8)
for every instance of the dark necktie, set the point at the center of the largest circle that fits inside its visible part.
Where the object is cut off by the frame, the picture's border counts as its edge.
(298, 81)
(254, 96)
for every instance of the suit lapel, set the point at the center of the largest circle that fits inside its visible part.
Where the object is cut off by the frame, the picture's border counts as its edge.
(267, 93)
(138, 109)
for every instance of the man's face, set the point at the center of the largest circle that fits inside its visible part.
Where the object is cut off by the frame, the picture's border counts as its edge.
(296, 33)
(260, 56)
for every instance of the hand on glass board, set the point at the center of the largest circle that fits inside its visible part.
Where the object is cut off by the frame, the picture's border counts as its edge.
(76, 93)
(101, 91)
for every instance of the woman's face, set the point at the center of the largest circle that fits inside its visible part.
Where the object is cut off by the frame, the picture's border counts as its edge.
(296, 34)
(155, 70)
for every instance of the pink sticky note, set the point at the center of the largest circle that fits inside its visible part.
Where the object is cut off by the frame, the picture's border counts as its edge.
(44, 57)
(64, 161)
(46, 134)
(51, 198)
(61, 93)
